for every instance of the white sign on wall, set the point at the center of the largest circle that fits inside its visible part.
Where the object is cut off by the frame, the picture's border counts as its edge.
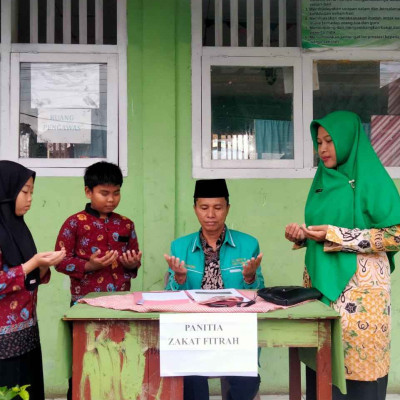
(65, 85)
(215, 344)
(64, 125)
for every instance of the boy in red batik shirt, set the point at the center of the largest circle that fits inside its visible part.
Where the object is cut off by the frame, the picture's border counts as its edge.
(102, 252)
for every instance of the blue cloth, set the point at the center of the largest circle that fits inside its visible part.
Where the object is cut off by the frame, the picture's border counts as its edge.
(237, 248)
(274, 139)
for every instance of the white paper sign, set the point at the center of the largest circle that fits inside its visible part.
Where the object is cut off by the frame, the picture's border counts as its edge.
(64, 126)
(215, 344)
(68, 85)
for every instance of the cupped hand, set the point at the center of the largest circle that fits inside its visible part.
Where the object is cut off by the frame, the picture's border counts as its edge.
(96, 262)
(43, 260)
(250, 268)
(315, 232)
(178, 267)
(294, 233)
(130, 259)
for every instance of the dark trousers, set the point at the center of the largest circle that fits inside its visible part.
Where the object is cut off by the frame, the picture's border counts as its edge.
(356, 390)
(240, 387)
(26, 369)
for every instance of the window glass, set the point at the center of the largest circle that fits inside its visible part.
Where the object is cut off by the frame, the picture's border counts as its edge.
(369, 88)
(252, 113)
(63, 110)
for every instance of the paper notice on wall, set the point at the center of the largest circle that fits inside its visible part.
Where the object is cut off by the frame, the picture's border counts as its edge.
(67, 85)
(208, 344)
(352, 23)
(64, 126)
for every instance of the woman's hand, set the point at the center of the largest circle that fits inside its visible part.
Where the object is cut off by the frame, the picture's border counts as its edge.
(178, 267)
(45, 259)
(316, 232)
(294, 233)
(250, 268)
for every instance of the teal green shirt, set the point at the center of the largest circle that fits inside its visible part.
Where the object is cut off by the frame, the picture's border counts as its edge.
(236, 249)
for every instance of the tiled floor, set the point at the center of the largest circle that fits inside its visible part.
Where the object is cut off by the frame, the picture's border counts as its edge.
(267, 397)
(286, 397)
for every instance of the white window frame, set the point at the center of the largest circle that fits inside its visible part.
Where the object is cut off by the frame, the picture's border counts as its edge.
(112, 107)
(308, 59)
(203, 165)
(116, 55)
(207, 63)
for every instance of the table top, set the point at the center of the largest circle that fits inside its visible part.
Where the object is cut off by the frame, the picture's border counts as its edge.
(309, 310)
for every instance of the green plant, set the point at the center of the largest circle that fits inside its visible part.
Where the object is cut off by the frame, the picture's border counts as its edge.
(8, 394)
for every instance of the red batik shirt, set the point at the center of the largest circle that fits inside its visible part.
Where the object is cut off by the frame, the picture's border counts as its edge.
(19, 332)
(84, 233)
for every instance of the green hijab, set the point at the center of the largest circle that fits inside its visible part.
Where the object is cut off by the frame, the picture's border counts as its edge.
(373, 202)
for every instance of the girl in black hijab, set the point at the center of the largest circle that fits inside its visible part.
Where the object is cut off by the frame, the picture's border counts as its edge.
(22, 269)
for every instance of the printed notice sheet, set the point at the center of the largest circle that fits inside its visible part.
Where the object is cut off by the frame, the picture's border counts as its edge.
(208, 344)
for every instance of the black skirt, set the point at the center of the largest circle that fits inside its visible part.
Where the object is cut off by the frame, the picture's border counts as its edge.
(26, 369)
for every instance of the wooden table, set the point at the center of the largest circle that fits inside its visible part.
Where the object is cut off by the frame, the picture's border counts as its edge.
(116, 353)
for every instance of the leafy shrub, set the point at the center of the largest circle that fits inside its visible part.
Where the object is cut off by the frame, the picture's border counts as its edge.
(8, 394)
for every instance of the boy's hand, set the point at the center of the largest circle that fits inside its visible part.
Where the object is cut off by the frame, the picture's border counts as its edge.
(131, 259)
(178, 267)
(250, 268)
(95, 262)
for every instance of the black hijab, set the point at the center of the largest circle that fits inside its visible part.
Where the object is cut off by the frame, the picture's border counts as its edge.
(16, 241)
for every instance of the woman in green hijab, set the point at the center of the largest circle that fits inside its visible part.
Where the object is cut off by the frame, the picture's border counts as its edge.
(351, 232)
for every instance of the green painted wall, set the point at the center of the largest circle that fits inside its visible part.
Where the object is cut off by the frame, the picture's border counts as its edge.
(157, 194)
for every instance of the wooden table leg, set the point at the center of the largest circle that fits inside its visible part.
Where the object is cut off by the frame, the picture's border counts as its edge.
(294, 374)
(324, 366)
(78, 350)
(161, 388)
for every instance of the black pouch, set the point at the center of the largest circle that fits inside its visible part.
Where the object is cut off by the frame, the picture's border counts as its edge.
(288, 295)
(123, 239)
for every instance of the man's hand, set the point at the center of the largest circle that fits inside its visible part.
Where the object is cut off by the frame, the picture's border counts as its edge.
(131, 259)
(178, 267)
(294, 233)
(250, 268)
(316, 232)
(95, 262)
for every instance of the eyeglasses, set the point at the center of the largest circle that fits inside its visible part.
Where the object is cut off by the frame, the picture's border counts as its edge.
(247, 303)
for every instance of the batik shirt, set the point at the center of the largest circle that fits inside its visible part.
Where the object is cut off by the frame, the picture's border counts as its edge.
(212, 278)
(83, 234)
(364, 304)
(19, 331)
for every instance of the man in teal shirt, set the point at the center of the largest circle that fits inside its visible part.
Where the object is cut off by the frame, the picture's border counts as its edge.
(215, 258)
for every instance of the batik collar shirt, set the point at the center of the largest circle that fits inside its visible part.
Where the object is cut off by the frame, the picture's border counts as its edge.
(83, 234)
(212, 278)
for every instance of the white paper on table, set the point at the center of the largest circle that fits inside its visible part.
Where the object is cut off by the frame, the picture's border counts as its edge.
(208, 344)
(164, 296)
(199, 295)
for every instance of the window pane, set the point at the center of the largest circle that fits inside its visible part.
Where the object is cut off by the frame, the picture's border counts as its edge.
(251, 113)
(369, 88)
(63, 110)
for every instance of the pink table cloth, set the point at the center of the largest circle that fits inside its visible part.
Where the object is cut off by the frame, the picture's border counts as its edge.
(128, 302)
